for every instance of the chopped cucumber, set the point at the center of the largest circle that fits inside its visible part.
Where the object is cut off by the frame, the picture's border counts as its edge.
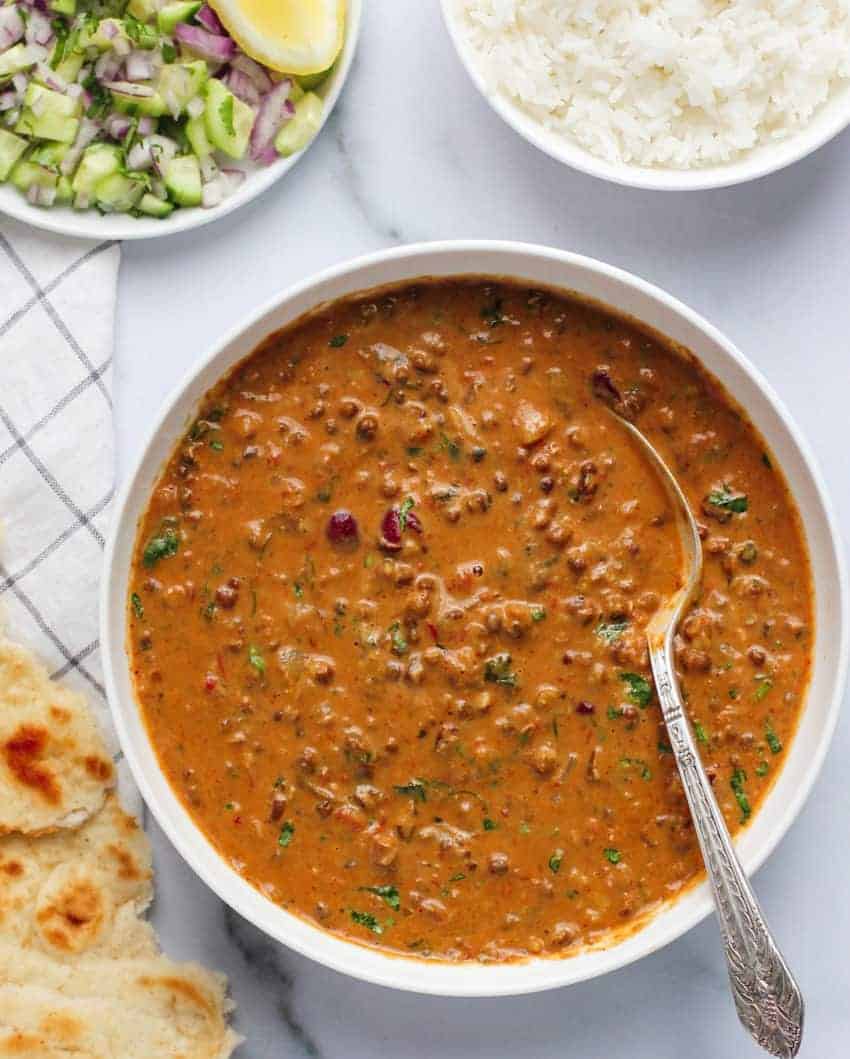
(28, 174)
(119, 192)
(49, 154)
(98, 162)
(183, 180)
(154, 207)
(196, 134)
(310, 81)
(16, 60)
(143, 10)
(228, 120)
(64, 193)
(180, 82)
(296, 133)
(151, 106)
(104, 37)
(11, 149)
(48, 115)
(64, 7)
(181, 11)
(141, 35)
(70, 66)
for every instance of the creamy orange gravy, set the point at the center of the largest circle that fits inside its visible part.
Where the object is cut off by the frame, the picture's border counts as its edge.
(388, 609)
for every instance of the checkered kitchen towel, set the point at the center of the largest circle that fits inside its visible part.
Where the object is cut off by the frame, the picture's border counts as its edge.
(57, 310)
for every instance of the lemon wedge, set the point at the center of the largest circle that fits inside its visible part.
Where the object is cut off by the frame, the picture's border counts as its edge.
(292, 36)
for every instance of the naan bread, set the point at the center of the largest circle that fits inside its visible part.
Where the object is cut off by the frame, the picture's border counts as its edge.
(54, 768)
(76, 892)
(81, 974)
(112, 1009)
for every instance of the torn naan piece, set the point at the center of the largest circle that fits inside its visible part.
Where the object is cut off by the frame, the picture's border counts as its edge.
(79, 892)
(54, 767)
(111, 1009)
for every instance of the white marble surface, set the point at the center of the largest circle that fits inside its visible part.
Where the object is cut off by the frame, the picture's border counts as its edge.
(412, 153)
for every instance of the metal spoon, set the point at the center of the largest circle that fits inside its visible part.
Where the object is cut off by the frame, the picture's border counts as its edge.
(768, 999)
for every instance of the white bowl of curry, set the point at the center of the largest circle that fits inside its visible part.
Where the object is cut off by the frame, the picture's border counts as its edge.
(373, 624)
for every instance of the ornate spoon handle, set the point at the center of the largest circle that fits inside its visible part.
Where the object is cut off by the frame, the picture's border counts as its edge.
(768, 999)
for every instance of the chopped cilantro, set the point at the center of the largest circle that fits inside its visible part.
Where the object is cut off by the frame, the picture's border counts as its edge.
(413, 451)
(640, 690)
(773, 740)
(614, 714)
(216, 445)
(699, 732)
(366, 919)
(748, 553)
(163, 546)
(726, 500)
(451, 447)
(611, 631)
(169, 52)
(492, 312)
(612, 855)
(286, 834)
(298, 589)
(415, 790)
(762, 768)
(488, 824)
(664, 748)
(386, 893)
(404, 510)
(764, 686)
(138, 608)
(497, 670)
(338, 341)
(739, 778)
(256, 659)
(555, 861)
(538, 613)
(638, 763)
(398, 641)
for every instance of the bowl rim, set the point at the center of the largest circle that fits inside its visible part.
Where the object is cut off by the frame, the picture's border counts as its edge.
(376, 966)
(830, 119)
(89, 224)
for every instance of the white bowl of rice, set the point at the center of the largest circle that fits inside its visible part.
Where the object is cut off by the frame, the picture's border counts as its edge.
(662, 94)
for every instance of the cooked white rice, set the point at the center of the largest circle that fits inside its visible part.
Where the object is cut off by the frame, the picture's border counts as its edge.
(673, 83)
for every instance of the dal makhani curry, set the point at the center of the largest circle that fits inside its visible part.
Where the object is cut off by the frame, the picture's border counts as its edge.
(388, 609)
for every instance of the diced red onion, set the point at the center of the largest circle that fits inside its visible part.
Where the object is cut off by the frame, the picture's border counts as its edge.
(146, 125)
(38, 29)
(275, 108)
(117, 126)
(139, 156)
(195, 107)
(8, 101)
(342, 527)
(210, 20)
(257, 73)
(32, 194)
(206, 45)
(84, 74)
(86, 132)
(212, 194)
(241, 85)
(412, 522)
(107, 66)
(162, 149)
(128, 88)
(121, 46)
(20, 82)
(233, 178)
(209, 170)
(74, 91)
(11, 27)
(138, 66)
(108, 30)
(50, 78)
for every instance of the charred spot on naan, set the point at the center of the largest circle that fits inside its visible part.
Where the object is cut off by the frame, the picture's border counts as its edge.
(73, 908)
(24, 751)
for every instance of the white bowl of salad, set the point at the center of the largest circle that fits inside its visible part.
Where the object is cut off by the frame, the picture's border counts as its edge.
(129, 119)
